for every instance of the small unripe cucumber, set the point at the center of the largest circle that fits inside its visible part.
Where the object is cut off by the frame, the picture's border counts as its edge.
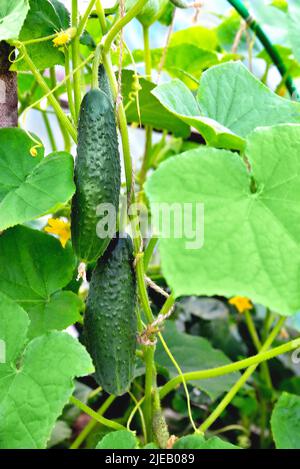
(110, 322)
(97, 174)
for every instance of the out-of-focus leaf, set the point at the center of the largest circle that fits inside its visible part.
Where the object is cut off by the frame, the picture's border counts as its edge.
(194, 353)
(285, 422)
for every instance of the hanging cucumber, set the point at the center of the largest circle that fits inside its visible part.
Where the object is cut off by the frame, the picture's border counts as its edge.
(151, 12)
(110, 319)
(97, 175)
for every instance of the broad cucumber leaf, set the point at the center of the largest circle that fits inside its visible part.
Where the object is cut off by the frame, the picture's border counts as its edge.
(34, 268)
(230, 104)
(285, 422)
(36, 382)
(200, 36)
(151, 110)
(44, 19)
(199, 442)
(185, 61)
(176, 97)
(249, 242)
(31, 186)
(121, 439)
(12, 17)
(232, 96)
(194, 353)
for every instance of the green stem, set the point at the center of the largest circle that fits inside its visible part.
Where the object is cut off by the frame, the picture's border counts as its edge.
(134, 11)
(241, 381)
(258, 345)
(147, 52)
(231, 368)
(92, 423)
(39, 39)
(252, 330)
(52, 100)
(101, 16)
(69, 85)
(87, 410)
(75, 60)
(271, 50)
(168, 304)
(95, 70)
(63, 130)
(82, 23)
(49, 131)
(27, 98)
(150, 379)
(149, 251)
(148, 128)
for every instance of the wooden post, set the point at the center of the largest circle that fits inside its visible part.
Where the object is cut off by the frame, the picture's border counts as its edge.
(8, 90)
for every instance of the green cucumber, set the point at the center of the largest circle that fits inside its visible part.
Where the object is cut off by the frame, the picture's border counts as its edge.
(110, 322)
(97, 174)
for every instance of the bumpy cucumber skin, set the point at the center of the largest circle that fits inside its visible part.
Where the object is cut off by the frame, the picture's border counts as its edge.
(97, 173)
(110, 322)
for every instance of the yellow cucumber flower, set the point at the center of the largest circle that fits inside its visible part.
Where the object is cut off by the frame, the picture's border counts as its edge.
(64, 37)
(60, 228)
(241, 303)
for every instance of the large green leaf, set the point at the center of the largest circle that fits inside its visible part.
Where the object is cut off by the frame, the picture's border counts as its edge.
(185, 61)
(34, 267)
(285, 422)
(251, 226)
(194, 353)
(121, 439)
(176, 97)
(231, 103)
(12, 17)
(199, 442)
(35, 383)
(152, 112)
(199, 36)
(42, 20)
(31, 186)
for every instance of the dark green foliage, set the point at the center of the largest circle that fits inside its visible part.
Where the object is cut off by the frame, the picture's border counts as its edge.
(110, 318)
(97, 174)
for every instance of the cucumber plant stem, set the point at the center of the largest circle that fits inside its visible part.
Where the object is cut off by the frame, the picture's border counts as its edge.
(63, 130)
(49, 131)
(231, 368)
(95, 415)
(149, 251)
(241, 381)
(75, 60)
(148, 128)
(271, 50)
(53, 101)
(113, 32)
(92, 423)
(258, 345)
(69, 84)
